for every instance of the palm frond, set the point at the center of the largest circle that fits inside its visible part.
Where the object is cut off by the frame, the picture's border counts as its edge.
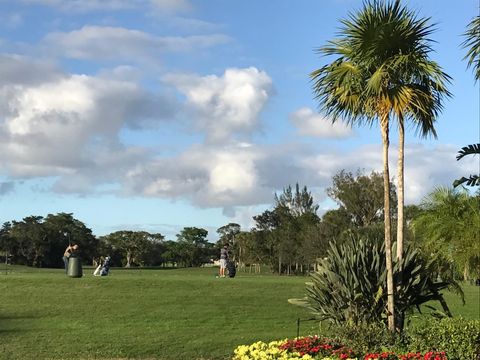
(472, 43)
(469, 150)
(473, 180)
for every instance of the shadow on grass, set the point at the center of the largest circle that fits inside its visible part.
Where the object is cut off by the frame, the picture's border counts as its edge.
(16, 323)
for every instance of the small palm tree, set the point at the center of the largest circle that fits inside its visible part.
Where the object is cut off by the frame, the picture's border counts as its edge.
(449, 226)
(382, 71)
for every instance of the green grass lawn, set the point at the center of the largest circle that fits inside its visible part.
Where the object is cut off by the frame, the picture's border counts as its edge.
(151, 314)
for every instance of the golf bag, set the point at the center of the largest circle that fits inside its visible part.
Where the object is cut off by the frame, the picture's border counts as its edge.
(103, 268)
(231, 269)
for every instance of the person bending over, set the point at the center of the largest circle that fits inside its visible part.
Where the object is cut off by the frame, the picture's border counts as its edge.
(69, 251)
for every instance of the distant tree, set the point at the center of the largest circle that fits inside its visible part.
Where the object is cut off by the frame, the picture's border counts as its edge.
(135, 246)
(250, 248)
(30, 241)
(193, 246)
(284, 234)
(227, 235)
(228, 232)
(360, 196)
(171, 254)
(38, 241)
(296, 203)
(334, 225)
(62, 229)
(6, 242)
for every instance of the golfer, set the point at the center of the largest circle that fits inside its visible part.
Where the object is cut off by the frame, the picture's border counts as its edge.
(223, 259)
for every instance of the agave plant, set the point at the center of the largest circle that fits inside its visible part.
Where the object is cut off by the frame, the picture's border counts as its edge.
(350, 285)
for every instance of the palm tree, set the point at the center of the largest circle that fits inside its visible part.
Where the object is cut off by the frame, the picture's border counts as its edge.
(448, 226)
(472, 43)
(421, 87)
(381, 71)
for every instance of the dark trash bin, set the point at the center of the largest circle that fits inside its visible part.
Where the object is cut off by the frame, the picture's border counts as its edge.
(74, 267)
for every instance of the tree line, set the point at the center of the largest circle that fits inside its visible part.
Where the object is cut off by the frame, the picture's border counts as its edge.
(288, 238)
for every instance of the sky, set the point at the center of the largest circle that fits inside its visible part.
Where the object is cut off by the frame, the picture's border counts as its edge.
(160, 114)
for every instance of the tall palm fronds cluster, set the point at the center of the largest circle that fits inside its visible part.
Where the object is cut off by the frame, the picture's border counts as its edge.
(472, 44)
(382, 71)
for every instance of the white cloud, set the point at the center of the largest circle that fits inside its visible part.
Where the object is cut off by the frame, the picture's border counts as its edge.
(117, 43)
(20, 70)
(66, 125)
(425, 168)
(227, 104)
(171, 6)
(208, 176)
(309, 123)
(191, 25)
(82, 6)
(87, 5)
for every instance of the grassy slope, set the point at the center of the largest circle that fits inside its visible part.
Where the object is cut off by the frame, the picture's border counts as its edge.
(161, 314)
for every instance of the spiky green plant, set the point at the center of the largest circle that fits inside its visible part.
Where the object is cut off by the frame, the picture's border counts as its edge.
(350, 285)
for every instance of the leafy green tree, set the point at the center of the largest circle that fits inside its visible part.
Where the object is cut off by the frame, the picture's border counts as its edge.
(334, 224)
(194, 248)
(361, 196)
(381, 71)
(62, 229)
(284, 235)
(296, 203)
(171, 254)
(30, 241)
(6, 242)
(38, 241)
(297, 214)
(263, 244)
(134, 246)
(228, 235)
(252, 247)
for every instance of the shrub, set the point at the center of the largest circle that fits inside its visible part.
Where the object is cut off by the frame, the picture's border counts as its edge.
(458, 337)
(367, 338)
(350, 285)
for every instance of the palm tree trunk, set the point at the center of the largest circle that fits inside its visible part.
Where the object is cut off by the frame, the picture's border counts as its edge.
(401, 187)
(388, 225)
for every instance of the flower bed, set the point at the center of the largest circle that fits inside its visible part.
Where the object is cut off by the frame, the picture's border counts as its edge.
(314, 347)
